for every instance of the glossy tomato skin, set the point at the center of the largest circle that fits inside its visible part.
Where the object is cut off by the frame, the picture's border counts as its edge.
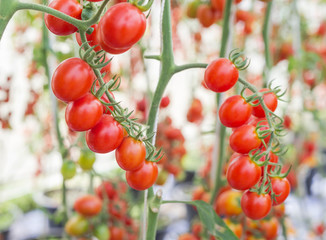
(106, 136)
(77, 226)
(84, 113)
(228, 203)
(108, 48)
(221, 75)
(58, 26)
(206, 15)
(281, 187)
(122, 26)
(235, 112)
(244, 139)
(144, 177)
(270, 100)
(131, 153)
(88, 205)
(256, 206)
(68, 169)
(243, 173)
(72, 79)
(91, 38)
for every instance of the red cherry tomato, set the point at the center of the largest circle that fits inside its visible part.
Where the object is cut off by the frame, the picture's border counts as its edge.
(106, 136)
(187, 236)
(195, 112)
(221, 75)
(61, 27)
(243, 173)
(144, 177)
(108, 48)
(130, 155)
(72, 79)
(206, 15)
(117, 233)
(107, 188)
(84, 113)
(270, 100)
(218, 5)
(91, 38)
(281, 187)
(228, 203)
(235, 112)
(269, 228)
(165, 102)
(244, 139)
(88, 205)
(256, 206)
(122, 26)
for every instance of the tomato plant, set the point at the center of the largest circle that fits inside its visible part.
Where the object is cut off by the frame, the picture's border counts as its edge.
(256, 206)
(144, 177)
(88, 205)
(244, 139)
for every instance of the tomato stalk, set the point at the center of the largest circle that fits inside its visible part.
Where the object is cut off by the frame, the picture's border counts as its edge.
(265, 32)
(219, 147)
(7, 10)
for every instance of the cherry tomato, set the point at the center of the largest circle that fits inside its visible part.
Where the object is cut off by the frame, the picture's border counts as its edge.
(121, 26)
(256, 206)
(236, 228)
(102, 232)
(106, 136)
(206, 15)
(86, 160)
(243, 173)
(192, 9)
(84, 113)
(108, 48)
(221, 75)
(187, 236)
(144, 177)
(165, 102)
(76, 226)
(162, 177)
(270, 100)
(88, 205)
(244, 139)
(58, 26)
(68, 169)
(218, 5)
(117, 233)
(130, 155)
(107, 188)
(72, 79)
(195, 112)
(228, 203)
(269, 228)
(279, 210)
(91, 38)
(235, 112)
(281, 187)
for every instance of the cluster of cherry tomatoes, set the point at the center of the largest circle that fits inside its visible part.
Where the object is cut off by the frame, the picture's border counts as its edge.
(73, 79)
(246, 120)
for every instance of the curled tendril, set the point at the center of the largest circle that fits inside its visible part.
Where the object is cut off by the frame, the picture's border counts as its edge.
(236, 57)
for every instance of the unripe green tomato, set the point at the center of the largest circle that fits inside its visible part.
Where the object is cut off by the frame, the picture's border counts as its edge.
(86, 160)
(102, 232)
(76, 226)
(68, 169)
(192, 8)
(162, 177)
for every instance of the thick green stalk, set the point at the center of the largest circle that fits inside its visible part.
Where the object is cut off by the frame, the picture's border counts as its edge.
(7, 10)
(221, 129)
(265, 32)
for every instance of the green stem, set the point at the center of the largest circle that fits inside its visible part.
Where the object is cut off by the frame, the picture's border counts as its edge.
(265, 32)
(284, 233)
(7, 10)
(221, 129)
(188, 66)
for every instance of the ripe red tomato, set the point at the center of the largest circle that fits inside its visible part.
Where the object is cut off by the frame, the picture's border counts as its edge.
(270, 100)
(131, 153)
(117, 233)
(281, 187)
(256, 206)
(144, 177)
(187, 236)
(84, 113)
(88, 205)
(58, 26)
(243, 173)
(121, 26)
(244, 139)
(218, 5)
(91, 38)
(221, 75)
(108, 48)
(235, 112)
(195, 112)
(165, 102)
(72, 79)
(76, 226)
(206, 15)
(107, 188)
(106, 136)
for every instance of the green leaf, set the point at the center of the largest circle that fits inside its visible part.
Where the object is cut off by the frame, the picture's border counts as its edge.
(214, 224)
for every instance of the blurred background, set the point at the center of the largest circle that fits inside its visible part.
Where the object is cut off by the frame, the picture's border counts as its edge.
(30, 118)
